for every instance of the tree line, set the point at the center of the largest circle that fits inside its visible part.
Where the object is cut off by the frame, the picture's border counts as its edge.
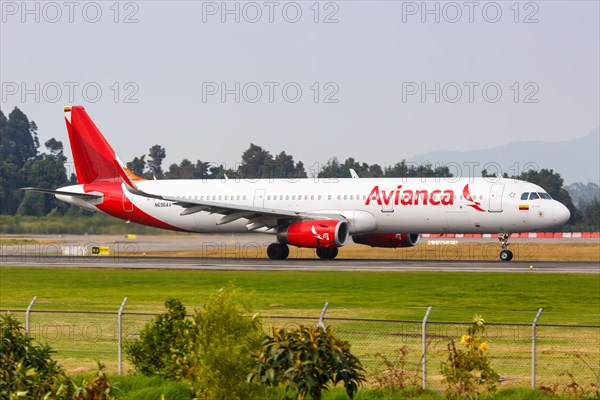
(22, 164)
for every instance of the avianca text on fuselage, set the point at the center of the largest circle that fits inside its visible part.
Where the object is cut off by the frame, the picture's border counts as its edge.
(410, 197)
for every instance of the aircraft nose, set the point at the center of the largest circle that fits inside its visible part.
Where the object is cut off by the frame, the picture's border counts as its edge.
(561, 213)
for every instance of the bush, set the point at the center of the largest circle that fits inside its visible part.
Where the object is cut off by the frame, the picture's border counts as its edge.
(212, 350)
(227, 335)
(307, 360)
(164, 344)
(468, 372)
(27, 370)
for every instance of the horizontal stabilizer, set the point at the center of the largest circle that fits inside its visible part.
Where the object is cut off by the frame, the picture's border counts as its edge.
(64, 193)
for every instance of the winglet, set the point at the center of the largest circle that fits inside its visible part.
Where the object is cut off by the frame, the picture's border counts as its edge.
(353, 174)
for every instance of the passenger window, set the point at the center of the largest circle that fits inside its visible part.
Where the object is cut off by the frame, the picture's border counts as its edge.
(525, 196)
(533, 196)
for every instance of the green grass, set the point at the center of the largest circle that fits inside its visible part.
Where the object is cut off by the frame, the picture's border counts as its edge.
(134, 387)
(499, 297)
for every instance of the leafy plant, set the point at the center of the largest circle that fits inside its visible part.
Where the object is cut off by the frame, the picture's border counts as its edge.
(307, 360)
(212, 350)
(100, 388)
(164, 344)
(226, 335)
(27, 370)
(468, 372)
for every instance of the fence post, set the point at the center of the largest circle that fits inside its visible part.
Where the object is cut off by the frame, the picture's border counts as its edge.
(533, 332)
(424, 343)
(120, 323)
(27, 315)
(321, 323)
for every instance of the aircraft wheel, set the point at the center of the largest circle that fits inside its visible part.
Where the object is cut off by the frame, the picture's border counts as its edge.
(506, 255)
(327, 253)
(278, 251)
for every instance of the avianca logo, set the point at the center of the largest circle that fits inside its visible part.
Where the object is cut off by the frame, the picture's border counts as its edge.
(418, 197)
(409, 197)
(317, 235)
(468, 197)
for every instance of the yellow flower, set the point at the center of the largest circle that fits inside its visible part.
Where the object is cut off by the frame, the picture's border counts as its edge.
(465, 340)
(483, 347)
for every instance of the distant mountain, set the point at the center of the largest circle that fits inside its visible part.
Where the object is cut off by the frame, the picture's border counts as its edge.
(583, 192)
(576, 160)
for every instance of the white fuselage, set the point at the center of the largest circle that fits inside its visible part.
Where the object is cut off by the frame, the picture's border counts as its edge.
(371, 205)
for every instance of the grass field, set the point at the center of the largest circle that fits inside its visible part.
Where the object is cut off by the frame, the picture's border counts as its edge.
(81, 338)
(501, 297)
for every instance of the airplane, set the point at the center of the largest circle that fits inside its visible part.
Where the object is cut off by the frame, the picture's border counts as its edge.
(310, 213)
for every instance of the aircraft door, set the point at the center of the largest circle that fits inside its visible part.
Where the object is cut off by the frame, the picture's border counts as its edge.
(259, 198)
(496, 197)
(387, 200)
(127, 204)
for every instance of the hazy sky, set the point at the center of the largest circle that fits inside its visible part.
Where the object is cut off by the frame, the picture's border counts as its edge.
(376, 80)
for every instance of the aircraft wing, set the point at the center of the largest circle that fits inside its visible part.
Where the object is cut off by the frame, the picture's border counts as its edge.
(258, 217)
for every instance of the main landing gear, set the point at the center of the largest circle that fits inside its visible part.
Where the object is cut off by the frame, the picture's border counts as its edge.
(505, 255)
(278, 251)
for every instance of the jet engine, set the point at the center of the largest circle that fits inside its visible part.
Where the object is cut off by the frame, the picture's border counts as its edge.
(315, 234)
(391, 240)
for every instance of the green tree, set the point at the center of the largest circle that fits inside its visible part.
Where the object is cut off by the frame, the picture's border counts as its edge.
(46, 171)
(138, 165)
(591, 214)
(18, 138)
(156, 155)
(256, 163)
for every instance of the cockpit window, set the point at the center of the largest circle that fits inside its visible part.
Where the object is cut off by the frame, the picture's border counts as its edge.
(545, 196)
(525, 196)
(533, 196)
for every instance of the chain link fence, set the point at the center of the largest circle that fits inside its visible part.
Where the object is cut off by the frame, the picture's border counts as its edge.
(524, 355)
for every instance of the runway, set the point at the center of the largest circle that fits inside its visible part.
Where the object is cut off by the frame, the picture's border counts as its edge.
(260, 264)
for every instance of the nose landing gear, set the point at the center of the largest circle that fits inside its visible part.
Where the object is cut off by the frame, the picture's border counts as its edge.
(505, 255)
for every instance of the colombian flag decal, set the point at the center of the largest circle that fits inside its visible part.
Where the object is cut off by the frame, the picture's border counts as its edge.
(523, 207)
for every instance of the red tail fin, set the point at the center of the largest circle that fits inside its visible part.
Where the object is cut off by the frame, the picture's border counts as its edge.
(95, 161)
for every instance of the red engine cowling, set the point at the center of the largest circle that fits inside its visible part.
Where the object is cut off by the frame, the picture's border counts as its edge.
(391, 240)
(315, 234)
